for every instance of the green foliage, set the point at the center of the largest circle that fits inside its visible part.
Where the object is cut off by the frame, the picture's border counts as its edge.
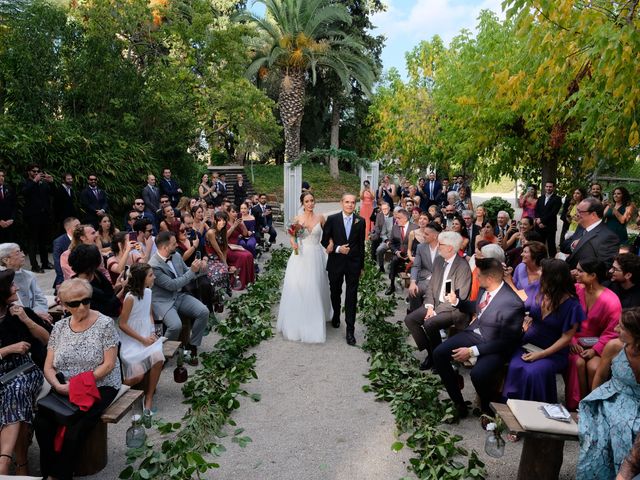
(187, 449)
(414, 397)
(345, 155)
(495, 204)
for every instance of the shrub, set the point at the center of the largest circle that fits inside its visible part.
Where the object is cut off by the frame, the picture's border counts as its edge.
(495, 204)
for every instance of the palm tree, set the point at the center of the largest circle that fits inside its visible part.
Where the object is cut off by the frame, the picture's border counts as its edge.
(296, 38)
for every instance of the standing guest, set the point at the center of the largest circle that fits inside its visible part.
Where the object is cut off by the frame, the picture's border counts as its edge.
(205, 189)
(546, 216)
(464, 202)
(386, 191)
(618, 214)
(94, 201)
(603, 310)
(151, 197)
(569, 214)
(239, 191)
(442, 200)
(528, 201)
(399, 246)
(609, 419)
(423, 194)
(140, 349)
(593, 239)
(472, 230)
(29, 293)
(267, 218)
(36, 191)
(170, 187)
(107, 229)
(237, 256)
(595, 191)
(65, 200)
(432, 187)
(366, 204)
(86, 342)
(481, 216)
(60, 245)
(423, 265)
(248, 241)
(7, 210)
(425, 322)
(169, 302)
(491, 338)
(21, 333)
(169, 221)
(221, 187)
(552, 322)
(625, 279)
(215, 194)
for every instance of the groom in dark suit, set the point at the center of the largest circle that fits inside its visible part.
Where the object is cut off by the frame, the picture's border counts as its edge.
(343, 236)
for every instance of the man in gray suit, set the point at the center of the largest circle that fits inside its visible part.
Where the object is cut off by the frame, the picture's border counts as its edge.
(381, 233)
(151, 197)
(423, 264)
(169, 302)
(399, 245)
(425, 322)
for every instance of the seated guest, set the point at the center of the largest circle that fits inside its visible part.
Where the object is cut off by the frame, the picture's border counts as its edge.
(609, 414)
(491, 338)
(169, 302)
(593, 239)
(555, 316)
(423, 264)
(425, 322)
(625, 279)
(216, 248)
(472, 230)
(475, 284)
(237, 255)
(504, 229)
(85, 261)
(486, 232)
(399, 245)
(515, 240)
(87, 341)
(199, 225)
(184, 205)
(29, 293)
(61, 244)
(417, 236)
(124, 253)
(140, 349)
(169, 222)
(187, 247)
(526, 276)
(267, 218)
(569, 213)
(145, 239)
(603, 310)
(630, 468)
(248, 239)
(459, 226)
(21, 333)
(107, 229)
(82, 235)
(380, 234)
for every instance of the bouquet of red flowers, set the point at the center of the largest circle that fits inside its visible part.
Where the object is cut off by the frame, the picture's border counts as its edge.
(295, 230)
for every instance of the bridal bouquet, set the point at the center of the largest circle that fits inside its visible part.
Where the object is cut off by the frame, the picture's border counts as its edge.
(295, 230)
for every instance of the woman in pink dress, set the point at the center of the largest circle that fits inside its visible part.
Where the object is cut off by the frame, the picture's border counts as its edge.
(603, 310)
(528, 201)
(238, 256)
(366, 204)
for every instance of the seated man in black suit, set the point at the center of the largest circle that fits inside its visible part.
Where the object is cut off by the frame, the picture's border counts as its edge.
(489, 339)
(625, 279)
(593, 239)
(425, 322)
(398, 244)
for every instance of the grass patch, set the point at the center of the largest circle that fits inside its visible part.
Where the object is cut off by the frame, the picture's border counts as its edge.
(270, 178)
(504, 185)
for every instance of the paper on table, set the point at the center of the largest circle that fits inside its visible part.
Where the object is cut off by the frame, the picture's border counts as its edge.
(531, 418)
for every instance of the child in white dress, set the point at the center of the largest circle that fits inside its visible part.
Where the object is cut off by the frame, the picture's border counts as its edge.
(140, 349)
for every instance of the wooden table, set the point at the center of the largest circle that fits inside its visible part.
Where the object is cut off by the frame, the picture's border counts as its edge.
(542, 453)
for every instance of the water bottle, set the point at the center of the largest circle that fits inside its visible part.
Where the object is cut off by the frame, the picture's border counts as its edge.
(136, 435)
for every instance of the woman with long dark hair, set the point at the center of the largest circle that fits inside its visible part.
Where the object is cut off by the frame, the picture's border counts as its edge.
(618, 213)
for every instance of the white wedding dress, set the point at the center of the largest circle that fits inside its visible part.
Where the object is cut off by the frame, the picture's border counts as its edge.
(305, 305)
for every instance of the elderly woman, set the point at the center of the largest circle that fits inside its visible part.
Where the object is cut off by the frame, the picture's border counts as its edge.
(87, 341)
(29, 293)
(21, 332)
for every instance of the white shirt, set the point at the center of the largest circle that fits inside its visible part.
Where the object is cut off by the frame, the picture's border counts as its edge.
(169, 263)
(344, 221)
(445, 276)
(592, 226)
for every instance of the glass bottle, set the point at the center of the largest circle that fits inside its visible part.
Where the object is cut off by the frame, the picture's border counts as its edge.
(180, 373)
(494, 443)
(136, 435)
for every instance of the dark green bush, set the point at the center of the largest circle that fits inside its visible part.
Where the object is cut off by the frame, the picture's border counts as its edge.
(495, 204)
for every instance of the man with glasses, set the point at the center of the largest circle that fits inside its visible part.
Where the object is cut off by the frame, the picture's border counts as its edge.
(625, 279)
(593, 239)
(94, 201)
(145, 239)
(36, 190)
(140, 208)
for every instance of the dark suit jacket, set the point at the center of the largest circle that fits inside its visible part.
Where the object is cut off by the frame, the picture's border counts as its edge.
(90, 203)
(437, 188)
(396, 242)
(548, 214)
(500, 325)
(460, 275)
(60, 244)
(600, 243)
(8, 203)
(64, 206)
(37, 200)
(170, 187)
(334, 230)
(256, 211)
(151, 199)
(473, 234)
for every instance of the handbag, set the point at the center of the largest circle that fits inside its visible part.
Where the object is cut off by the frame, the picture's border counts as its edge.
(66, 413)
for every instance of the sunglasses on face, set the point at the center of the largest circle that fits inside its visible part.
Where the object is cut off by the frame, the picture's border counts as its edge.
(76, 303)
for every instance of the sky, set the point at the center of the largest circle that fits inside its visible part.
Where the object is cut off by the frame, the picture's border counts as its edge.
(406, 22)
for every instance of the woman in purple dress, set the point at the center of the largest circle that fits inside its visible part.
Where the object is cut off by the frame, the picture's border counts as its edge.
(249, 241)
(526, 275)
(551, 325)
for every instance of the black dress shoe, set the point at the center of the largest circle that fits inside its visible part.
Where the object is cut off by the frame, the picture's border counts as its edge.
(351, 339)
(427, 364)
(390, 291)
(47, 266)
(335, 323)
(462, 410)
(37, 270)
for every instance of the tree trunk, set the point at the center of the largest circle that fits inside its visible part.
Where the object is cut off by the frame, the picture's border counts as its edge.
(291, 103)
(549, 167)
(336, 110)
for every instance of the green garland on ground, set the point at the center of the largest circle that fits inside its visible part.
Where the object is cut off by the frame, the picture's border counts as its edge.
(212, 392)
(413, 396)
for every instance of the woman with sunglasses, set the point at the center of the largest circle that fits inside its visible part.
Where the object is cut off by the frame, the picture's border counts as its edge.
(87, 341)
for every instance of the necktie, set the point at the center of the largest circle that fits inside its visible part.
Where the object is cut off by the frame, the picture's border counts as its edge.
(1, 193)
(402, 233)
(430, 190)
(347, 225)
(483, 304)
(95, 192)
(171, 266)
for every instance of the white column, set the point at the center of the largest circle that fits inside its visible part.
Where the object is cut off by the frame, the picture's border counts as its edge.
(372, 175)
(292, 190)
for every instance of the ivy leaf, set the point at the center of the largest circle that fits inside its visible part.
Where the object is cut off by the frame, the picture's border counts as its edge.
(397, 446)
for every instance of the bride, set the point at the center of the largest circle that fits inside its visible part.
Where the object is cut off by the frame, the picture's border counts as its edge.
(305, 305)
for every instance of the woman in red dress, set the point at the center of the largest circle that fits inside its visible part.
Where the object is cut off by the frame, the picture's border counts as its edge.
(238, 256)
(366, 204)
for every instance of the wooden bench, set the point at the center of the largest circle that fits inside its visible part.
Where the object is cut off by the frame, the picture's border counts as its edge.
(169, 348)
(93, 455)
(542, 453)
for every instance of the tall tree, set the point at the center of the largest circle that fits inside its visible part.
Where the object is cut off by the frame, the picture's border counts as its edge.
(296, 38)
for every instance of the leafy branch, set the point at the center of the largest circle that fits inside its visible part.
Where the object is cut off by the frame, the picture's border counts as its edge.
(323, 153)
